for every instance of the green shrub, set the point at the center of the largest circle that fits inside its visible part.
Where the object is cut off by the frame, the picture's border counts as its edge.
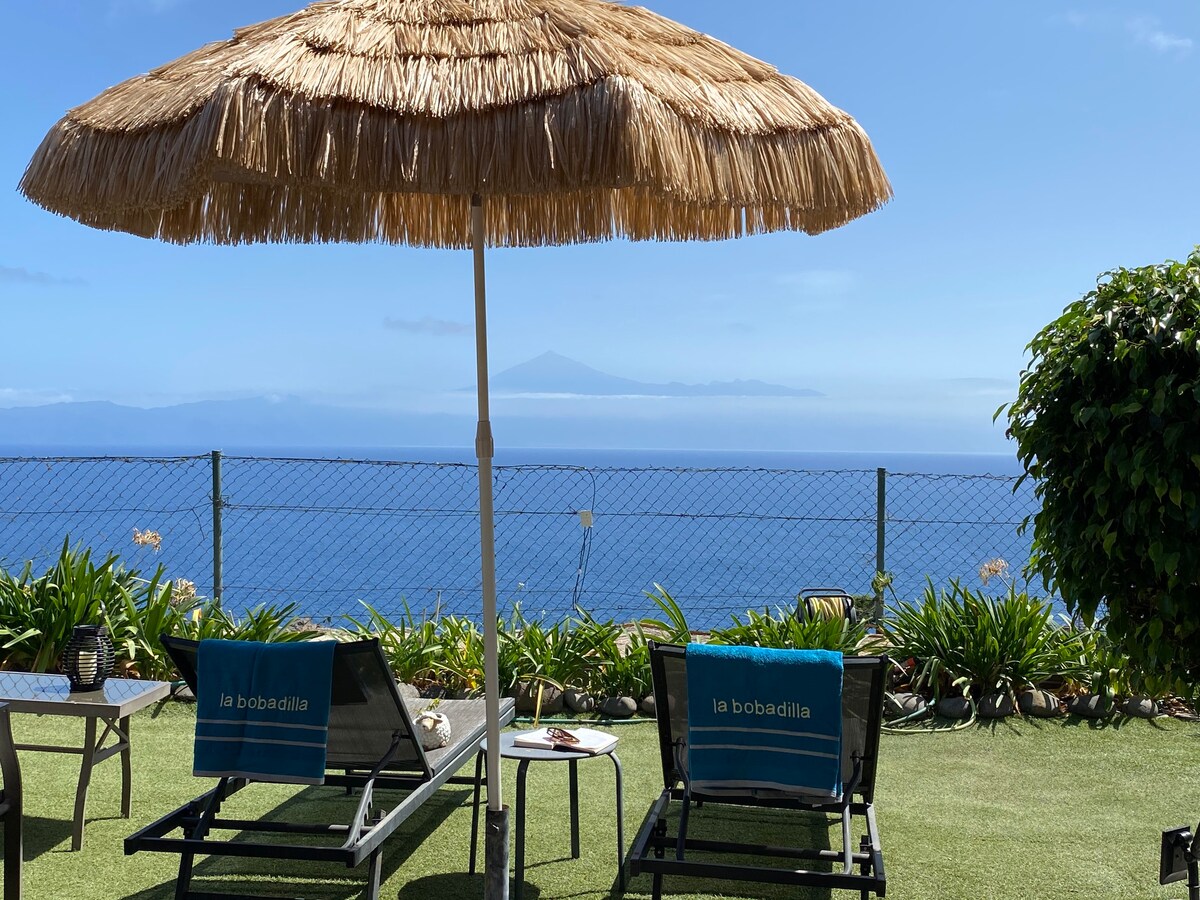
(977, 643)
(673, 628)
(152, 608)
(266, 623)
(784, 630)
(412, 646)
(38, 614)
(623, 665)
(460, 664)
(1107, 422)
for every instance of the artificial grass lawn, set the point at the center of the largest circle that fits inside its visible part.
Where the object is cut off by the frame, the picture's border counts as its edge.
(1018, 810)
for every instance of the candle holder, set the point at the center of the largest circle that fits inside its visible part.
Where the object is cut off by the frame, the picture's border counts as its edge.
(89, 657)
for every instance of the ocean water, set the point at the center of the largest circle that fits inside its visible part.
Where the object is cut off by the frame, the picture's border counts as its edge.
(335, 528)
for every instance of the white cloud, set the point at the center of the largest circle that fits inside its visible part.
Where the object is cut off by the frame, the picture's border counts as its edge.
(1148, 32)
(116, 7)
(819, 282)
(427, 325)
(18, 275)
(10, 397)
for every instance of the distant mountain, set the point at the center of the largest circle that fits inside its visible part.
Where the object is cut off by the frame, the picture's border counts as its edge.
(553, 373)
(716, 423)
(207, 422)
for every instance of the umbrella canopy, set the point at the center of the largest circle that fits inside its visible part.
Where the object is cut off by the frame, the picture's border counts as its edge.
(402, 121)
(376, 120)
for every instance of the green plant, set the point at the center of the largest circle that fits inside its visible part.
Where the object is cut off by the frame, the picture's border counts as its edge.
(785, 630)
(623, 665)
(1107, 423)
(965, 639)
(412, 646)
(266, 623)
(559, 654)
(38, 614)
(1100, 667)
(460, 665)
(150, 609)
(673, 629)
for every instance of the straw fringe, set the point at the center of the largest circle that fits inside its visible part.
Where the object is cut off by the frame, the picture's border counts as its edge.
(582, 119)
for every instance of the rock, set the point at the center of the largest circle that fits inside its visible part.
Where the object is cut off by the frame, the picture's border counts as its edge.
(897, 706)
(579, 701)
(1090, 706)
(954, 707)
(408, 691)
(1038, 703)
(618, 707)
(526, 694)
(995, 706)
(1140, 707)
(647, 707)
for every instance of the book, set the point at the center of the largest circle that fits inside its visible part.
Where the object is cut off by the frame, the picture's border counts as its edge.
(590, 740)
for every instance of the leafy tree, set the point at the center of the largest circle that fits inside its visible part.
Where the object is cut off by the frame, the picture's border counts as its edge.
(1107, 422)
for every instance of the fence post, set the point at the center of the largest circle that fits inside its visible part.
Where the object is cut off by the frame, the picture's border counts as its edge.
(216, 522)
(880, 536)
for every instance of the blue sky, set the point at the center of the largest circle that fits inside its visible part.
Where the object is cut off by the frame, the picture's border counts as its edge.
(1032, 145)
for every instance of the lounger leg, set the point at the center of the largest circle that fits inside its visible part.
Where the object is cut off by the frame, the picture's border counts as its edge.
(656, 891)
(85, 777)
(12, 854)
(573, 778)
(479, 757)
(681, 839)
(847, 846)
(126, 767)
(183, 883)
(374, 872)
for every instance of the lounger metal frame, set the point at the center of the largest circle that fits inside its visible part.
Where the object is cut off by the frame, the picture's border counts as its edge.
(10, 808)
(660, 852)
(361, 836)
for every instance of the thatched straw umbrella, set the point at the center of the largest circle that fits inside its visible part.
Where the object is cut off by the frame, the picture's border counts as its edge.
(460, 123)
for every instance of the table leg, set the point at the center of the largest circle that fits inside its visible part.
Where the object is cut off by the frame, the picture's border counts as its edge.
(126, 767)
(574, 779)
(479, 758)
(519, 887)
(85, 776)
(620, 826)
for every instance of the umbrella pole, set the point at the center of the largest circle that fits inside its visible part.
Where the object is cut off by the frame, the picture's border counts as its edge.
(496, 845)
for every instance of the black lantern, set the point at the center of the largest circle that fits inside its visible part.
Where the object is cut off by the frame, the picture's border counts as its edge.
(89, 658)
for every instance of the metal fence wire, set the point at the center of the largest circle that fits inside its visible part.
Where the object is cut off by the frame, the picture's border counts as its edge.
(330, 535)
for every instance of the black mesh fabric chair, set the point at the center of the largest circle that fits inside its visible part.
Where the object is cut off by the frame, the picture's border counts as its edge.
(372, 748)
(10, 808)
(660, 852)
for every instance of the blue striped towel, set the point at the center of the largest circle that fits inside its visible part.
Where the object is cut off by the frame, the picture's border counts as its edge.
(262, 710)
(764, 720)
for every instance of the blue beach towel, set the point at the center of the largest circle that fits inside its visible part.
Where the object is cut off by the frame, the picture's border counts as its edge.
(262, 710)
(764, 720)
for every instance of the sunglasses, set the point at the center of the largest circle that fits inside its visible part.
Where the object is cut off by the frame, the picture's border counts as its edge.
(561, 736)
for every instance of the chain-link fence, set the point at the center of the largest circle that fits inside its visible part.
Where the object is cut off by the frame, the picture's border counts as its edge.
(327, 534)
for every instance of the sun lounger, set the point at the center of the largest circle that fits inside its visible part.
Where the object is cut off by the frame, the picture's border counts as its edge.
(372, 748)
(660, 852)
(10, 808)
